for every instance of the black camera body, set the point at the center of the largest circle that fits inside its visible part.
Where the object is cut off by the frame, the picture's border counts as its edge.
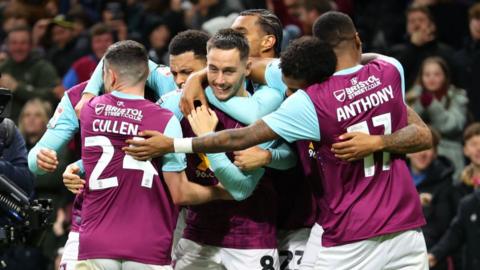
(5, 103)
(20, 216)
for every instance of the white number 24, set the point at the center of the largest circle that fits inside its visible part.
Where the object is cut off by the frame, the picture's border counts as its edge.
(95, 183)
(368, 162)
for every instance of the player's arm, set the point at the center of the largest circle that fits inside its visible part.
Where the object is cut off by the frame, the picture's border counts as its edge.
(60, 130)
(240, 184)
(184, 192)
(294, 120)
(158, 79)
(280, 157)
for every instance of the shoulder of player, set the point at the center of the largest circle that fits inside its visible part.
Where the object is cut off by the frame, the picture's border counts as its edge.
(163, 71)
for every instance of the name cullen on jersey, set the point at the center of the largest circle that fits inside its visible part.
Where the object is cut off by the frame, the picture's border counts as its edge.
(364, 104)
(113, 126)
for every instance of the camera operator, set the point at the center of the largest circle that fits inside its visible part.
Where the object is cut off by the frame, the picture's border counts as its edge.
(13, 153)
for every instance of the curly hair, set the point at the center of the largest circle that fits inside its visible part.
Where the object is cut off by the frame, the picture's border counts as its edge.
(190, 40)
(308, 59)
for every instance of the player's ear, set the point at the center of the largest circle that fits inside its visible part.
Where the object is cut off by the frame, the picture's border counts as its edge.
(248, 67)
(268, 42)
(358, 41)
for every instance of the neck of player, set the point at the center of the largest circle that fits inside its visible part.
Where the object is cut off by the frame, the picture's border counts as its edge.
(136, 90)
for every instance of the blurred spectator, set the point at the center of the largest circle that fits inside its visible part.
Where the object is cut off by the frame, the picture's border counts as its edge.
(24, 73)
(468, 62)
(294, 8)
(101, 38)
(33, 121)
(432, 175)
(378, 23)
(312, 9)
(422, 43)
(443, 106)
(63, 44)
(38, 32)
(158, 40)
(114, 17)
(205, 10)
(451, 31)
(11, 21)
(465, 227)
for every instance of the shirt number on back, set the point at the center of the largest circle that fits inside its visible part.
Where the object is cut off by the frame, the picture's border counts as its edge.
(95, 183)
(384, 120)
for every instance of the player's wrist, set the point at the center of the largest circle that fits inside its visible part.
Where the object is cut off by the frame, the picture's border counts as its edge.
(182, 145)
(380, 143)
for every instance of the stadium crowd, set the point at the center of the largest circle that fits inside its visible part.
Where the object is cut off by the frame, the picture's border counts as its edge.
(50, 46)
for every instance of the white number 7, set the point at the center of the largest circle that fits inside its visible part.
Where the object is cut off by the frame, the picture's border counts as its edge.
(380, 120)
(128, 163)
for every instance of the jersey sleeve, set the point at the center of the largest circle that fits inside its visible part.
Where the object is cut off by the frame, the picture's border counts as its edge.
(174, 162)
(160, 79)
(283, 157)
(95, 84)
(60, 130)
(273, 76)
(171, 102)
(240, 184)
(399, 68)
(296, 119)
(248, 109)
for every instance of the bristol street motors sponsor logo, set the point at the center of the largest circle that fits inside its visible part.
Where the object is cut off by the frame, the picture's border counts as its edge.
(114, 111)
(357, 88)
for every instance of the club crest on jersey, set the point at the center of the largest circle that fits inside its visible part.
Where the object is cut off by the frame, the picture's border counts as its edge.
(312, 153)
(340, 95)
(99, 108)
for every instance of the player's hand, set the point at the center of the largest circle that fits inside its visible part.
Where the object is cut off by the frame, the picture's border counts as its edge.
(426, 198)
(192, 90)
(356, 145)
(432, 261)
(202, 120)
(47, 160)
(252, 158)
(154, 145)
(85, 98)
(72, 180)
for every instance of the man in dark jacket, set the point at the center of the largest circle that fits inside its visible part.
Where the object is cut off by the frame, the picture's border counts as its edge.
(433, 179)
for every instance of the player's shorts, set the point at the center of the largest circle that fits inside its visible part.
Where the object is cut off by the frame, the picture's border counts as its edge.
(291, 247)
(193, 256)
(312, 247)
(109, 264)
(403, 250)
(178, 233)
(70, 252)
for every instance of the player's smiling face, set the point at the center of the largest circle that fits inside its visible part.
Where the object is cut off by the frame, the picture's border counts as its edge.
(226, 73)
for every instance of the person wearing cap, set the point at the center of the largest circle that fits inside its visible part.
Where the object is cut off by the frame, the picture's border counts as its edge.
(64, 48)
(468, 61)
(24, 73)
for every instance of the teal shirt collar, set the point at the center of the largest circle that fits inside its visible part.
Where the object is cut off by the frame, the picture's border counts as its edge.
(125, 95)
(348, 70)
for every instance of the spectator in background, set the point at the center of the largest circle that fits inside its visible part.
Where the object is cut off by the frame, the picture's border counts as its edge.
(311, 10)
(443, 106)
(10, 21)
(205, 10)
(465, 227)
(432, 175)
(101, 37)
(24, 73)
(422, 43)
(63, 48)
(33, 120)
(114, 17)
(158, 39)
(38, 33)
(468, 62)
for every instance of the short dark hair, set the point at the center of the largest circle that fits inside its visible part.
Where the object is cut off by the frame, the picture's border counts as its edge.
(190, 41)
(270, 24)
(474, 11)
(334, 27)
(130, 59)
(20, 29)
(471, 131)
(308, 59)
(100, 29)
(227, 39)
